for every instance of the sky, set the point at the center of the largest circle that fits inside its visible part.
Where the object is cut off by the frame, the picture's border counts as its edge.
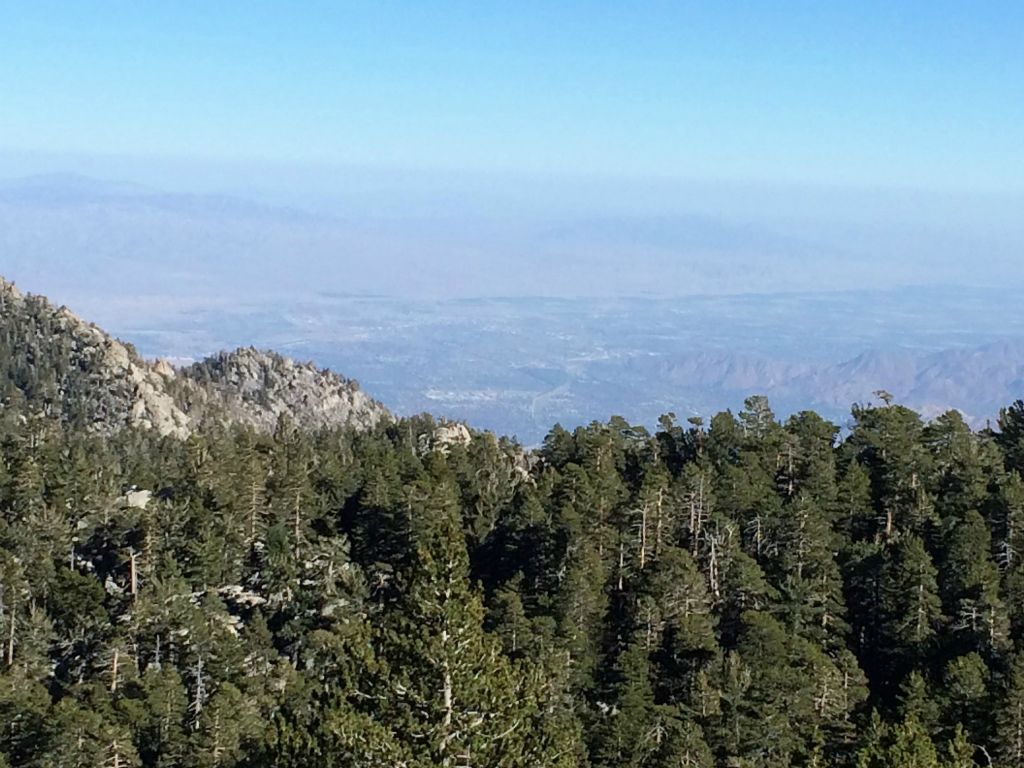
(925, 94)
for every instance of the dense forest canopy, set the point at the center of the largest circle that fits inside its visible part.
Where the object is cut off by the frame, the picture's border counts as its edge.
(746, 592)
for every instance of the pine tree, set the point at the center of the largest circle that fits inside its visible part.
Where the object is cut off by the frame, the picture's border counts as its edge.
(910, 609)
(626, 729)
(161, 734)
(978, 620)
(781, 697)
(25, 717)
(917, 700)
(960, 476)
(959, 751)
(965, 697)
(887, 442)
(226, 730)
(84, 738)
(900, 745)
(804, 570)
(1010, 436)
(452, 695)
(675, 622)
(1009, 717)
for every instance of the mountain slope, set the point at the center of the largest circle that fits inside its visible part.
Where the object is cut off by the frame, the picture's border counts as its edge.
(62, 364)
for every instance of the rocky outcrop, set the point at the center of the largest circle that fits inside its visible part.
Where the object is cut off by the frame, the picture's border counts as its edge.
(257, 388)
(56, 360)
(449, 433)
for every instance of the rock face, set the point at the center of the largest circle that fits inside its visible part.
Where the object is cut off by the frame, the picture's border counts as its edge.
(445, 435)
(59, 362)
(257, 388)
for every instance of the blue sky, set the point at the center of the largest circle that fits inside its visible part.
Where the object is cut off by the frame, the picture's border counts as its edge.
(925, 94)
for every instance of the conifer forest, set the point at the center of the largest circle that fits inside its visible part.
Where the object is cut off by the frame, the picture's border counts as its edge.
(744, 591)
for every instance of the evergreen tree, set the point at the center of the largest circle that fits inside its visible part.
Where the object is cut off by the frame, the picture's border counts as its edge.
(978, 620)
(900, 745)
(1009, 717)
(909, 611)
(452, 695)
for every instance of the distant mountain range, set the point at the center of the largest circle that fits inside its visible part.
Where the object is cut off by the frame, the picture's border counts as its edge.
(977, 381)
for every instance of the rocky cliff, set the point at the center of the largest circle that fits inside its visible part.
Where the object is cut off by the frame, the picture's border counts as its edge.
(64, 365)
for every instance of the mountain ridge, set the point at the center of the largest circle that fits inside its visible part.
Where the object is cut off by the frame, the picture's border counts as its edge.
(71, 366)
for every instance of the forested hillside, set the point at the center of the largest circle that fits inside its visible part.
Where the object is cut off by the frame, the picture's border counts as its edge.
(74, 372)
(404, 593)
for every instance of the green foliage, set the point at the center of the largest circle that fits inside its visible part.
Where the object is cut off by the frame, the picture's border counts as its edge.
(745, 594)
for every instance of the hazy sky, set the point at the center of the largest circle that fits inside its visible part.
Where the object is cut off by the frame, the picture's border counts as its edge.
(920, 93)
